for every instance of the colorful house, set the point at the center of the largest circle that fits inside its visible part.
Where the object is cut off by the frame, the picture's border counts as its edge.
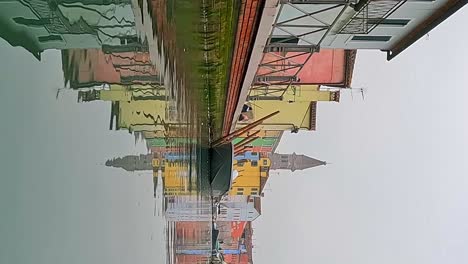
(297, 106)
(251, 174)
(331, 67)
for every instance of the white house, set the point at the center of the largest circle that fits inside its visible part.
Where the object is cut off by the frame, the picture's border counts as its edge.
(387, 25)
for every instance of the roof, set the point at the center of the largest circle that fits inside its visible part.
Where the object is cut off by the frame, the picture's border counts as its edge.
(246, 31)
(430, 23)
(350, 59)
(313, 115)
(277, 141)
(258, 204)
(302, 162)
(263, 181)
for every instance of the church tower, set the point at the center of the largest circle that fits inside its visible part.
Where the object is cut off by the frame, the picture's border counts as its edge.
(293, 162)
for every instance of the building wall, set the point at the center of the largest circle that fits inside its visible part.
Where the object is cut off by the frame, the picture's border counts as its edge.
(294, 106)
(416, 11)
(296, 93)
(248, 182)
(325, 67)
(237, 208)
(291, 115)
(265, 143)
(248, 155)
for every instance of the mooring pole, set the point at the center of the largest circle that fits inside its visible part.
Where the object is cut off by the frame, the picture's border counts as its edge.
(243, 129)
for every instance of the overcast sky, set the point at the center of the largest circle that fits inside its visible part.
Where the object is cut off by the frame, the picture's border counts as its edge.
(397, 188)
(395, 191)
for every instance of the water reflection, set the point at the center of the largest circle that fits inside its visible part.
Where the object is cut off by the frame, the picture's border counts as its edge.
(162, 78)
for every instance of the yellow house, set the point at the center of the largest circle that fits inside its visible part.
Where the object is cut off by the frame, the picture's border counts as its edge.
(297, 106)
(252, 176)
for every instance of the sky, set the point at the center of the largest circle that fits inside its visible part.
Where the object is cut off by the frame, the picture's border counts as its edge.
(395, 190)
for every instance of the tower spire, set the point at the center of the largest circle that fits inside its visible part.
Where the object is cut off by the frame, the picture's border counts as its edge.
(293, 162)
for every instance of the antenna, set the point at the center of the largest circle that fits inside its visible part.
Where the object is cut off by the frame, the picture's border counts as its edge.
(360, 90)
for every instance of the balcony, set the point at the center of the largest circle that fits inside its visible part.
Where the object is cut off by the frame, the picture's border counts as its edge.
(370, 14)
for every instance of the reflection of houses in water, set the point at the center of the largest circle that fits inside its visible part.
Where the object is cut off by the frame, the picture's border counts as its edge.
(89, 67)
(190, 247)
(132, 162)
(141, 108)
(196, 208)
(192, 237)
(38, 25)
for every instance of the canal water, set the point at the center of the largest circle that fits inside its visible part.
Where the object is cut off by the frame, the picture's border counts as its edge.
(113, 95)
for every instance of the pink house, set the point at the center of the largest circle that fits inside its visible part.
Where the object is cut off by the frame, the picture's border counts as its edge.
(332, 67)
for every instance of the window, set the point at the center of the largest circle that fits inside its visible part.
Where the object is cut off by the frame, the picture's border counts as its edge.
(50, 38)
(265, 162)
(372, 38)
(254, 163)
(254, 189)
(254, 193)
(388, 22)
(240, 193)
(240, 189)
(286, 39)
